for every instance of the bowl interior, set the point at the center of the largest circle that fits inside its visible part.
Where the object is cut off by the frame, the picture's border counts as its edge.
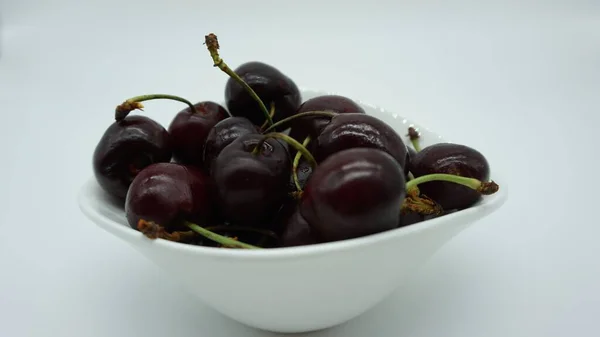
(109, 214)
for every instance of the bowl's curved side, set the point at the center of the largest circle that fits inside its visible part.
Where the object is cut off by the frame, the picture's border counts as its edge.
(291, 290)
(296, 289)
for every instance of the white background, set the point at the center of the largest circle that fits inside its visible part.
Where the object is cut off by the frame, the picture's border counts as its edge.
(518, 80)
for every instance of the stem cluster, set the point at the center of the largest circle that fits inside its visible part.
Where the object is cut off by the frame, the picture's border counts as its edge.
(414, 202)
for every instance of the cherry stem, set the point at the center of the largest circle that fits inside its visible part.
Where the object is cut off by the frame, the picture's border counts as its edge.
(271, 113)
(323, 113)
(243, 229)
(296, 194)
(153, 230)
(414, 136)
(122, 110)
(296, 163)
(422, 205)
(291, 141)
(264, 233)
(485, 188)
(212, 43)
(223, 240)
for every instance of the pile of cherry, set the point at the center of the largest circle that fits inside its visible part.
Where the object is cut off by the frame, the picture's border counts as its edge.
(273, 171)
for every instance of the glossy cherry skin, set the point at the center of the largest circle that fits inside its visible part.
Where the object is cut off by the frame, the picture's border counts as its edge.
(167, 194)
(297, 231)
(411, 154)
(355, 130)
(289, 225)
(223, 134)
(251, 187)
(127, 147)
(270, 84)
(189, 130)
(451, 159)
(353, 193)
(410, 218)
(312, 126)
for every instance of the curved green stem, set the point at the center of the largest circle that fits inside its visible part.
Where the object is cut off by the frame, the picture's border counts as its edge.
(223, 240)
(264, 233)
(485, 188)
(271, 113)
(243, 229)
(291, 141)
(212, 43)
(296, 163)
(323, 113)
(416, 145)
(122, 110)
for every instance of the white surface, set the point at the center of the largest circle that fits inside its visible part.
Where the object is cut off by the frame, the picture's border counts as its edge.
(518, 80)
(299, 289)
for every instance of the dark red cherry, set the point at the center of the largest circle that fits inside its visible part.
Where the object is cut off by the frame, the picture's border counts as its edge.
(296, 232)
(450, 159)
(353, 193)
(289, 225)
(279, 221)
(410, 218)
(168, 194)
(312, 126)
(355, 130)
(127, 147)
(411, 153)
(189, 130)
(251, 187)
(222, 134)
(270, 84)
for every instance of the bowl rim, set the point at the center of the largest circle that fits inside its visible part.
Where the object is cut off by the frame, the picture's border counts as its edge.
(88, 205)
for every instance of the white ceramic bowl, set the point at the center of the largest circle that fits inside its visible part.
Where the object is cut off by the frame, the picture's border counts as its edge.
(298, 289)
